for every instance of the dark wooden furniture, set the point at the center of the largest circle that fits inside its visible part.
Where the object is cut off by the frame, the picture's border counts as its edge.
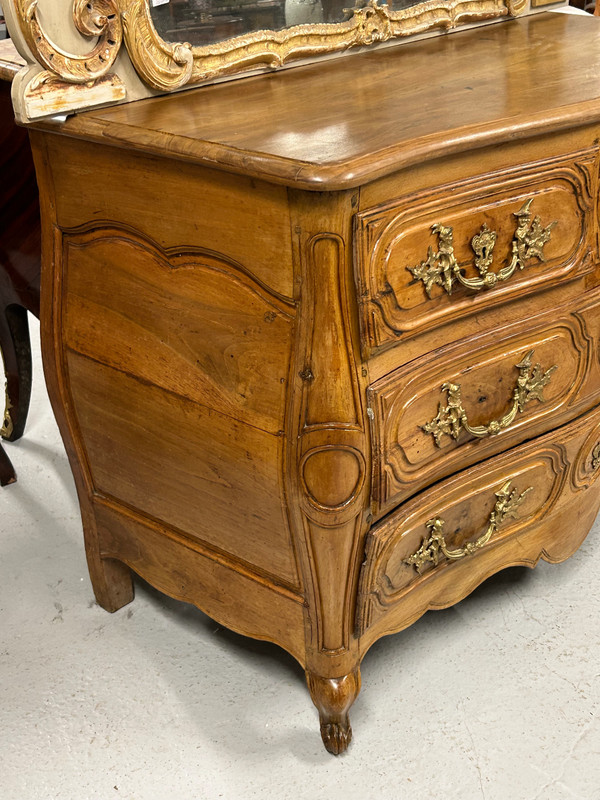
(323, 345)
(19, 260)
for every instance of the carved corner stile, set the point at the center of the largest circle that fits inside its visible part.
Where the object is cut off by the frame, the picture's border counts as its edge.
(328, 460)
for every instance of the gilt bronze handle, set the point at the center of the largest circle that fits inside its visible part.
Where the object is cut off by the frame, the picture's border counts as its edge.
(452, 417)
(507, 503)
(442, 269)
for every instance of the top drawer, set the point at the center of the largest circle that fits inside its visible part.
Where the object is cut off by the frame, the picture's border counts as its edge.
(447, 253)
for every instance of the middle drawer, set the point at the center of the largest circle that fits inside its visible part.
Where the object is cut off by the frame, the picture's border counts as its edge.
(470, 400)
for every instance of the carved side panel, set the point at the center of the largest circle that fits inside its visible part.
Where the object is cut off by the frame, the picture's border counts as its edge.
(177, 364)
(328, 454)
(477, 225)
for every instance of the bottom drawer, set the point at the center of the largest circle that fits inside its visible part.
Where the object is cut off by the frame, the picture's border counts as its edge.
(525, 504)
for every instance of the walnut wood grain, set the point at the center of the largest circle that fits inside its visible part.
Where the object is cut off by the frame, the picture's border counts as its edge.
(484, 366)
(235, 436)
(553, 520)
(393, 237)
(332, 131)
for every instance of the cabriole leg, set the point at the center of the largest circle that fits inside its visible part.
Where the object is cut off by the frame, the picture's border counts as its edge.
(333, 698)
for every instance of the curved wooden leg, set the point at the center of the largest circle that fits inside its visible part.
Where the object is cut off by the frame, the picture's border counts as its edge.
(7, 472)
(16, 354)
(111, 579)
(333, 698)
(111, 582)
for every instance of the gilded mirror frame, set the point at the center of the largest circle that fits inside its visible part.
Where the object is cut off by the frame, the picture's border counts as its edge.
(59, 81)
(167, 66)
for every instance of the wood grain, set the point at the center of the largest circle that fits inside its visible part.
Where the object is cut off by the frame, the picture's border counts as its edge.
(332, 131)
(551, 523)
(485, 368)
(394, 236)
(236, 437)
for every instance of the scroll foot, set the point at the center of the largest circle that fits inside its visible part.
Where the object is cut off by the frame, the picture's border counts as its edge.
(333, 698)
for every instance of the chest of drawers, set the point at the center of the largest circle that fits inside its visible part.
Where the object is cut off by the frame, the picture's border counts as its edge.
(327, 359)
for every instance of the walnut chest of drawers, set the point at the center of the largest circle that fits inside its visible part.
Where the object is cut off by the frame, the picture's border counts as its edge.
(323, 345)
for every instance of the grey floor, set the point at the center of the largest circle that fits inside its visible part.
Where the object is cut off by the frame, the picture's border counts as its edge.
(496, 698)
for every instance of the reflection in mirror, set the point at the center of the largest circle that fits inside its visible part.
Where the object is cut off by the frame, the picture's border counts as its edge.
(204, 22)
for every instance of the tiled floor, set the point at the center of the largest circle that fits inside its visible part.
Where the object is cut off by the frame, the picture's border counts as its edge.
(496, 698)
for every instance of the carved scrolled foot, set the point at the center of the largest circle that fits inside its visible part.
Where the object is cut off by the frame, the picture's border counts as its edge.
(333, 698)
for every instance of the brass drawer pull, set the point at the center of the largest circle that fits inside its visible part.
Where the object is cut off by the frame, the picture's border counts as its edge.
(452, 417)
(442, 269)
(506, 507)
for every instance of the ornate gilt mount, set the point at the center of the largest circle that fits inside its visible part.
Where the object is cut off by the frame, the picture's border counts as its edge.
(452, 417)
(441, 268)
(506, 507)
(7, 423)
(596, 457)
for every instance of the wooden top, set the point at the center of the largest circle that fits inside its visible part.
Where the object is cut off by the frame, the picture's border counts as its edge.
(340, 123)
(10, 61)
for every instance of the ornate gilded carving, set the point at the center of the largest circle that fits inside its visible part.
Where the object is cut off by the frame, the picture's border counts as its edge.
(441, 268)
(7, 423)
(98, 18)
(167, 66)
(506, 507)
(452, 417)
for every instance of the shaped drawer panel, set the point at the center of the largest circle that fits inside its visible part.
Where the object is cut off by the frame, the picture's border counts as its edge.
(427, 259)
(438, 546)
(470, 400)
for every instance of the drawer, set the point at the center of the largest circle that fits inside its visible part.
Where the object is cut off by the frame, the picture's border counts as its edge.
(442, 543)
(426, 259)
(470, 400)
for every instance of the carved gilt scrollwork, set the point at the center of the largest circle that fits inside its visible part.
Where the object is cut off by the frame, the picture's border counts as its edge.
(452, 417)
(506, 507)
(98, 18)
(7, 423)
(441, 267)
(166, 66)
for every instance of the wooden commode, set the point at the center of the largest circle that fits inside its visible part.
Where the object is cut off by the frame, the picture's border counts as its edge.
(323, 344)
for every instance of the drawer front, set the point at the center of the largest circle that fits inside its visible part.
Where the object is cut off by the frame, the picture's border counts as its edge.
(467, 401)
(444, 254)
(441, 544)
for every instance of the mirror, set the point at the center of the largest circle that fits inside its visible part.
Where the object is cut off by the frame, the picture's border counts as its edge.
(204, 22)
(173, 44)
